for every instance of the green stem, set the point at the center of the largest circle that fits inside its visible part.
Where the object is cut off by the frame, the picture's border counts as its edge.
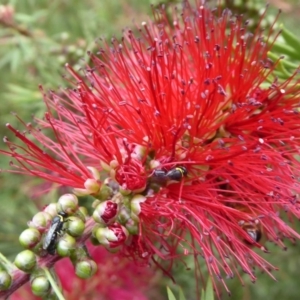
(54, 285)
(4, 259)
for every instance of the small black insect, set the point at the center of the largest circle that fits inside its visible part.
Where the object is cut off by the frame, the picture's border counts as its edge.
(49, 243)
(176, 174)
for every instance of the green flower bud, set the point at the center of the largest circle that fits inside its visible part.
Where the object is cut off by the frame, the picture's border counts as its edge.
(106, 212)
(51, 210)
(40, 221)
(92, 186)
(82, 213)
(86, 268)
(132, 226)
(80, 253)
(29, 238)
(95, 173)
(66, 245)
(124, 215)
(5, 280)
(125, 192)
(67, 203)
(105, 192)
(95, 203)
(75, 226)
(114, 164)
(40, 286)
(26, 261)
(136, 204)
(104, 166)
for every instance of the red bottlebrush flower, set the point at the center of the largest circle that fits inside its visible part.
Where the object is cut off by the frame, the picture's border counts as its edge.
(183, 95)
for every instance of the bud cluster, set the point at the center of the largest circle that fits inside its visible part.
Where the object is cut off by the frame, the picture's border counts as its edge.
(62, 229)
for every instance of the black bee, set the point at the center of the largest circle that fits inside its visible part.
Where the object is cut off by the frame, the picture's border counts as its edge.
(49, 243)
(176, 174)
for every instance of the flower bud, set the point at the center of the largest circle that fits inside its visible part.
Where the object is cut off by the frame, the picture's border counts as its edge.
(86, 268)
(40, 286)
(66, 245)
(80, 253)
(75, 226)
(82, 213)
(26, 261)
(29, 238)
(125, 191)
(40, 221)
(105, 193)
(51, 209)
(104, 166)
(5, 280)
(106, 212)
(92, 187)
(95, 173)
(124, 215)
(67, 203)
(136, 206)
(132, 226)
(112, 236)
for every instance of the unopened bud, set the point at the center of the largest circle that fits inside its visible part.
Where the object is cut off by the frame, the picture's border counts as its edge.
(86, 268)
(92, 186)
(112, 236)
(67, 203)
(136, 206)
(82, 213)
(66, 245)
(40, 221)
(40, 286)
(51, 209)
(105, 193)
(123, 215)
(106, 212)
(95, 173)
(132, 226)
(29, 238)
(75, 226)
(5, 280)
(26, 261)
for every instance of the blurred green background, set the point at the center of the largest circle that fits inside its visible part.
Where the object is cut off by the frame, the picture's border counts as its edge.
(37, 37)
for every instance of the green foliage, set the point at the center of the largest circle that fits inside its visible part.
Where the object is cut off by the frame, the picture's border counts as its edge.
(286, 50)
(171, 296)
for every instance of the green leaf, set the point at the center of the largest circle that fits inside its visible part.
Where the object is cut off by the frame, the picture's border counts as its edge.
(181, 295)
(170, 294)
(209, 293)
(291, 39)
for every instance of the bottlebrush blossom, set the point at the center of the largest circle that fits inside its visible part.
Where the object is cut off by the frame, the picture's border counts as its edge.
(189, 94)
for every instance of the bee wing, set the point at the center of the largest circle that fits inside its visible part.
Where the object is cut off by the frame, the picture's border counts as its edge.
(49, 236)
